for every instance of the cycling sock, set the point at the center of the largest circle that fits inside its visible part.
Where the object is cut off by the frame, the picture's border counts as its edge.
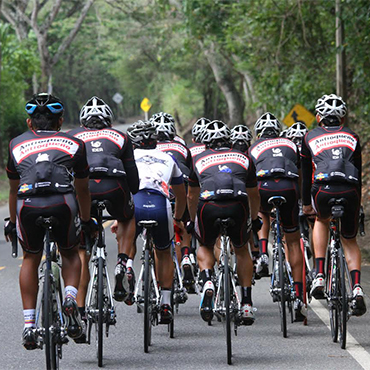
(130, 263)
(320, 262)
(205, 275)
(70, 291)
(29, 318)
(298, 287)
(246, 295)
(355, 277)
(185, 251)
(122, 259)
(166, 296)
(263, 246)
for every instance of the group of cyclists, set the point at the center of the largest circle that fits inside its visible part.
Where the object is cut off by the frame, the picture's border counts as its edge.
(149, 173)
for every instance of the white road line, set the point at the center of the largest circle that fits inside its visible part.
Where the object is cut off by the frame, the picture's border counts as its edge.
(353, 347)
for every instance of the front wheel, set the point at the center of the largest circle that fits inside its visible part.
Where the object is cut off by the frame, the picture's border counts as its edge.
(227, 308)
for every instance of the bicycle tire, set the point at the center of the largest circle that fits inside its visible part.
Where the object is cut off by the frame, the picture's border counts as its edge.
(100, 310)
(47, 320)
(282, 302)
(227, 308)
(171, 325)
(332, 291)
(57, 296)
(343, 301)
(304, 278)
(147, 302)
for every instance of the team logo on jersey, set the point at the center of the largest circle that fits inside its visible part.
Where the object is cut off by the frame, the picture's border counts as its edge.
(148, 160)
(44, 157)
(276, 152)
(321, 176)
(262, 173)
(273, 144)
(224, 168)
(337, 153)
(25, 187)
(331, 141)
(177, 147)
(96, 146)
(113, 136)
(220, 159)
(206, 194)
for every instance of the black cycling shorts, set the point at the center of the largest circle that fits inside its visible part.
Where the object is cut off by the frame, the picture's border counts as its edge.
(120, 204)
(62, 206)
(321, 194)
(289, 211)
(209, 211)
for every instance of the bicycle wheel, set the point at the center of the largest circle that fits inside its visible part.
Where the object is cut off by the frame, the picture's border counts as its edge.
(282, 301)
(171, 325)
(147, 302)
(227, 307)
(304, 278)
(342, 301)
(100, 310)
(332, 294)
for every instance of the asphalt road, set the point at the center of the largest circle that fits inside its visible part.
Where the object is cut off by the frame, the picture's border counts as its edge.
(196, 345)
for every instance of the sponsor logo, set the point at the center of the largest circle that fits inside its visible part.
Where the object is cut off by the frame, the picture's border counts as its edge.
(44, 157)
(118, 171)
(276, 152)
(206, 194)
(331, 141)
(177, 147)
(220, 159)
(96, 146)
(99, 169)
(57, 185)
(43, 184)
(336, 173)
(277, 143)
(25, 187)
(195, 150)
(321, 176)
(225, 191)
(27, 148)
(148, 160)
(113, 136)
(337, 153)
(262, 173)
(149, 205)
(224, 168)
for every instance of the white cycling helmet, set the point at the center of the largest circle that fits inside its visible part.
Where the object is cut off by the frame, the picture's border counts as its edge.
(198, 128)
(215, 131)
(331, 105)
(298, 129)
(165, 125)
(96, 107)
(142, 132)
(241, 133)
(267, 121)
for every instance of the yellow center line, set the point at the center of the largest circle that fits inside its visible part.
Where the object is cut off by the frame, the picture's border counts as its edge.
(2, 267)
(106, 224)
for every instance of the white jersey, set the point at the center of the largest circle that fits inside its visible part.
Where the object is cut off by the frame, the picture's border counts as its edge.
(157, 170)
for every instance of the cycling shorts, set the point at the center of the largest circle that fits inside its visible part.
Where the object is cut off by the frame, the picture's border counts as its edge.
(289, 211)
(209, 211)
(116, 192)
(62, 206)
(151, 205)
(321, 194)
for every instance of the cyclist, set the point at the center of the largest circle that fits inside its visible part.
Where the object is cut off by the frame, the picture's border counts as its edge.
(158, 171)
(39, 169)
(241, 138)
(196, 146)
(113, 177)
(296, 132)
(166, 142)
(156, 117)
(336, 153)
(220, 186)
(277, 161)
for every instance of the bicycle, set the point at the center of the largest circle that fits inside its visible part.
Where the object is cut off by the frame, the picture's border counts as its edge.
(338, 282)
(100, 306)
(227, 301)
(281, 286)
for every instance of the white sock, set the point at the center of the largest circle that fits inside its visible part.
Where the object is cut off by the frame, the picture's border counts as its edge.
(129, 263)
(70, 291)
(166, 296)
(29, 318)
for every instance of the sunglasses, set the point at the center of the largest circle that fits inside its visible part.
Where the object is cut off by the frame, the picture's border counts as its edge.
(54, 108)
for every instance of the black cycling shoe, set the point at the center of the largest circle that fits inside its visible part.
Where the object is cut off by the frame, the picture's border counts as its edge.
(131, 282)
(82, 338)
(165, 314)
(206, 304)
(29, 339)
(73, 318)
(122, 286)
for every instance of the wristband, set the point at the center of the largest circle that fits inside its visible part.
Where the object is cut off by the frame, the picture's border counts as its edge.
(177, 219)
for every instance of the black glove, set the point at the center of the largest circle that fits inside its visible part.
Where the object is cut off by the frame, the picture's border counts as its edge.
(190, 227)
(89, 227)
(9, 230)
(256, 224)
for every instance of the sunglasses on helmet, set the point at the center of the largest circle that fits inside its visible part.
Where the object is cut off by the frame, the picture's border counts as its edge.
(54, 108)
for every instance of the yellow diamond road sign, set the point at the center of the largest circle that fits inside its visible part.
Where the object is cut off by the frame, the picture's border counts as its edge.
(145, 105)
(301, 114)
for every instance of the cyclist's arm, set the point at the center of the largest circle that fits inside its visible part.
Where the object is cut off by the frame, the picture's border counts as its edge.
(254, 200)
(306, 166)
(13, 199)
(193, 197)
(83, 197)
(129, 164)
(180, 201)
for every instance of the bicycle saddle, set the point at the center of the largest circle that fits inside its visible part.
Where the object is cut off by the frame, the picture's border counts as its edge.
(100, 204)
(147, 223)
(276, 200)
(224, 222)
(337, 207)
(46, 221)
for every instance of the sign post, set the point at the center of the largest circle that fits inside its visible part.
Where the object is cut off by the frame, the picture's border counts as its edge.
(145, 106)
(301, 114)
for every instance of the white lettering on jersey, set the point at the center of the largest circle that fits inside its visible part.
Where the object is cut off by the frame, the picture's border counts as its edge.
(165, 147)
(90, 135)
(221, 159)
(27, 148)
(329, 141)
(195, 150)
(270, 144)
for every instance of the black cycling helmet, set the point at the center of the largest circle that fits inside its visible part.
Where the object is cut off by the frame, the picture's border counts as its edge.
(96, 109)
(143, 134)
(44, 103)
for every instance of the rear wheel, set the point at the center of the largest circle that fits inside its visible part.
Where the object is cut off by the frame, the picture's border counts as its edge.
(282, 302)
(227, 308)
(342, 302)
(171, 325)
(147, 303)
(304, 278)
(332, 294)
(100, 310)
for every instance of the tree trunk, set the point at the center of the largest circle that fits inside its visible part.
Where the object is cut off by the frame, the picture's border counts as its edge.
(223, 75)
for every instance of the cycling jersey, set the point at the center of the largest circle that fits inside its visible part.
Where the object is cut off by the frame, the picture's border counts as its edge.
(276, 157)
(180, 140)
(336, 155)
(196, 149)
(44, 161)
(180, 152)
(222, 174)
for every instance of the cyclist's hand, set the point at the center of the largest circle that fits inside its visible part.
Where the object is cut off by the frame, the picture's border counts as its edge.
(179, 229)
(256, 224)
(9, 230)
(308, 210)
(89, 227)
(190, 227)
(114, 227)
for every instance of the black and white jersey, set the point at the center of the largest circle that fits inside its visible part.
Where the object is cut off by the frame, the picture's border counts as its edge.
(44, 162)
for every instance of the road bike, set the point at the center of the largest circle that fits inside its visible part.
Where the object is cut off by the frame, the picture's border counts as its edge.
(338, 280)
(100, 306)
(281, 286)
(227, 303)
